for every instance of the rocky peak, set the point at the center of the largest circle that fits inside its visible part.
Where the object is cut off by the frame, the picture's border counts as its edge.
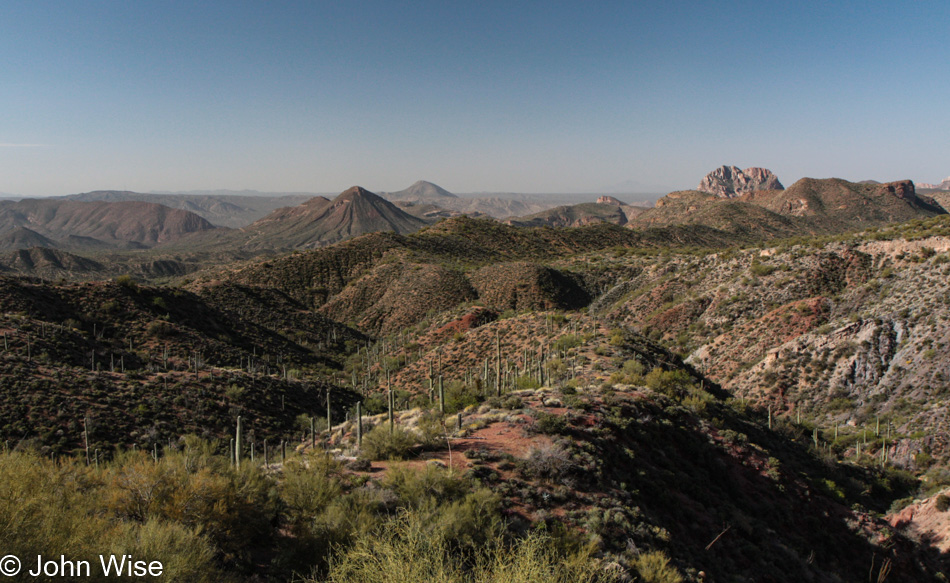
(609, 200)
(730, 182)
(355, 193)
(903, 189)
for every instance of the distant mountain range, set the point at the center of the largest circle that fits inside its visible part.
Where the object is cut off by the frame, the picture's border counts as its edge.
(748, 205)
(945, 185)
(95, 225)
(227, 210)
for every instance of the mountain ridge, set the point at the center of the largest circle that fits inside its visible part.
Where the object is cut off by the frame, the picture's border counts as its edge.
(116, 224)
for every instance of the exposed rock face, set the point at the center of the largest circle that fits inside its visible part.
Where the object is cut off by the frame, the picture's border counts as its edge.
(927, 520)
(609, 200)
(903, 189)
(730, 182)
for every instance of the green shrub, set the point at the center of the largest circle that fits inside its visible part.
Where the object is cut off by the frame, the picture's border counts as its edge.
(161, 330)
(761, 269)
(943, 503)
(549, 424)
(380, 444)
(307, 490)
(512, 403)
(670, 383)
(195, 489)
(458, 396)
(654, 567)
(527, 382)
(406, 550)
(127, 281)
(567, 342)
(57, 508)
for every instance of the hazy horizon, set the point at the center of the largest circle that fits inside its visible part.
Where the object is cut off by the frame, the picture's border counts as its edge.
(493, 97)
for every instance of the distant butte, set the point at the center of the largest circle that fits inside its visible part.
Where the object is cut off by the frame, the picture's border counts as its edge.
(609, 200)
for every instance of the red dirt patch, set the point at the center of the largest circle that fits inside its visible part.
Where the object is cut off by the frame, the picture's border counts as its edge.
(498, 437)
(474, 319)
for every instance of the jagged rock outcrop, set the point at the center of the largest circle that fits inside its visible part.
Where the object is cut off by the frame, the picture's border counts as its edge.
(730, 182)
(610, 200)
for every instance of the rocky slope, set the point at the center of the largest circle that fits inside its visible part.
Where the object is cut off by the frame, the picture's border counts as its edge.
(318, 276)
(746, 221)
(834, 204)
(146, 365)
(598, 435)
(626, 443)
(843, 333)
(927, 519)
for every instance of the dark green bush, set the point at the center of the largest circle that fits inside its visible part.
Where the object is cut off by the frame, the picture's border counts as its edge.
(381, 444)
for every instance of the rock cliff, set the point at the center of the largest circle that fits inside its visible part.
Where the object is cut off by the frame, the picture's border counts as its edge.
(730, 182)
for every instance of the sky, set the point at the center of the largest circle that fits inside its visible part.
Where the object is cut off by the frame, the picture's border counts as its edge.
(475, 96)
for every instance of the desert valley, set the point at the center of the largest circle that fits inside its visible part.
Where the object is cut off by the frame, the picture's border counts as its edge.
(741, 382)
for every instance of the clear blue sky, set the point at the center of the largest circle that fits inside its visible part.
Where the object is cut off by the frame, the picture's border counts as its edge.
(475, 96)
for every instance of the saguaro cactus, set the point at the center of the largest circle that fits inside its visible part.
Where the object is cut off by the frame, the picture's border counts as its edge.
(391, 401)
(85, 436)
(498, 363)
(237, 444)
(359, 425)
(441, 396)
